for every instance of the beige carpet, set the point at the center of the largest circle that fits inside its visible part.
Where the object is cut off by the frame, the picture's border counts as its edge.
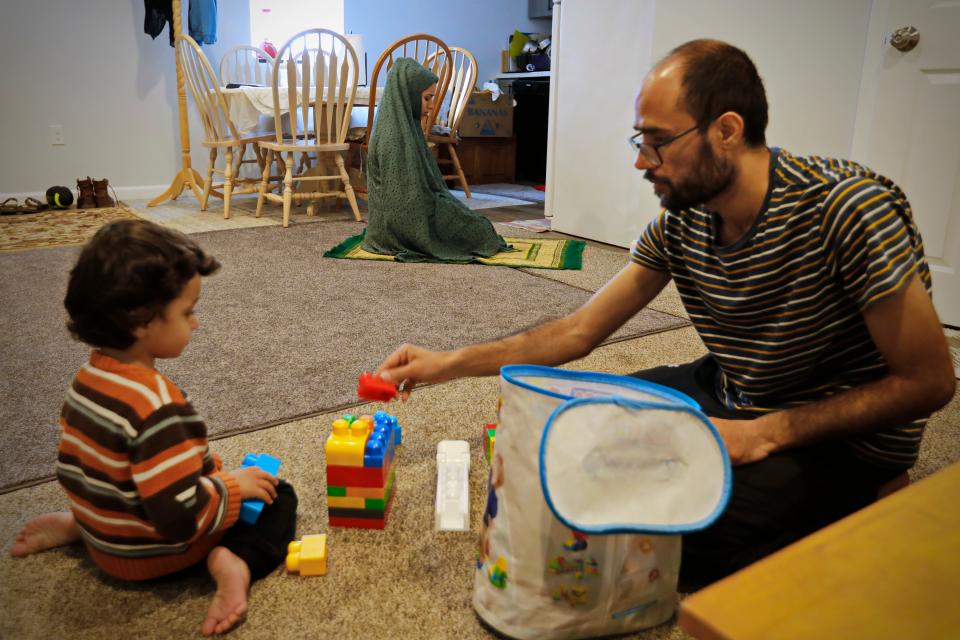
(404, 582)
(279, 328)
(601, 262)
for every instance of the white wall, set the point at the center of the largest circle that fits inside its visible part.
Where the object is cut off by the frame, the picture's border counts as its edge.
(89, 67)
(810, 56)
(481, 27)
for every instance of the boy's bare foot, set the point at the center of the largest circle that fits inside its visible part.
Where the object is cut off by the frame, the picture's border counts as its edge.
(230, 602)
(45, 532)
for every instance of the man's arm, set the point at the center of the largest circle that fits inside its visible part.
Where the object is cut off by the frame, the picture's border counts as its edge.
(553, 343)
(919, 380)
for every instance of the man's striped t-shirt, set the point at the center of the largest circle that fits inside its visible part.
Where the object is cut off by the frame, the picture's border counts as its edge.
(781, 308)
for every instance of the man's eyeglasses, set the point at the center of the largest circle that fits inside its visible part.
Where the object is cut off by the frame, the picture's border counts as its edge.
(651, 152)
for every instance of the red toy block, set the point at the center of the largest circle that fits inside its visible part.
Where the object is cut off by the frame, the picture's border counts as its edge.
(359, 523)
(374, 388)
(338, 476)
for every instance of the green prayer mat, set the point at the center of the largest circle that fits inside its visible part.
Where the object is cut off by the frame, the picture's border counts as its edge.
(531, 253)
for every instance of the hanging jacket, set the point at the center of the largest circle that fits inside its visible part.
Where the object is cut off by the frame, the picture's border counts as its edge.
(159, 13)
(203, 21)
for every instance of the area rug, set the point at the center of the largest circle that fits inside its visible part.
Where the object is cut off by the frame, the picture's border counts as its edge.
(527, 253)
(283, 332)
(56, 228)
(537, 225)
(478, 200)
(507, 190)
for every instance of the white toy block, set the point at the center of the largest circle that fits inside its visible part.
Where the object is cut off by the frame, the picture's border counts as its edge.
(453, 485)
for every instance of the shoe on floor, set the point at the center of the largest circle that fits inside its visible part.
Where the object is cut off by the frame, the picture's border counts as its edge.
(85, 197)
(11, 206)
(100, 194)
(32, 205)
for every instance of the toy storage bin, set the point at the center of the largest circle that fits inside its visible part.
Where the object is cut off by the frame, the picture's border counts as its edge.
(593, 479)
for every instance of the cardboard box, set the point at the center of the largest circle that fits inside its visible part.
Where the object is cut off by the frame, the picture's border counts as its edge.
(485, 118)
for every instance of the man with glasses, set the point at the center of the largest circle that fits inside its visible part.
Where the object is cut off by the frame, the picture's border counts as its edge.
(806, 279)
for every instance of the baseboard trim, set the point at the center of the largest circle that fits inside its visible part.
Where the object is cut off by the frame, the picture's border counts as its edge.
(124, 193)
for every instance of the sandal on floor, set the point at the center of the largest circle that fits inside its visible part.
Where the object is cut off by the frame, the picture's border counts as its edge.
(9, 206)
(32, 205)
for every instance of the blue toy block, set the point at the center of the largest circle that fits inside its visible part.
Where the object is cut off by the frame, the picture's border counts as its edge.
(392, 421)
(379, 447)
(375, 450)
(250, 509)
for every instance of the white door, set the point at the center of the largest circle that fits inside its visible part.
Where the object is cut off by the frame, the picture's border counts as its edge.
(908, 128)
(593, 191)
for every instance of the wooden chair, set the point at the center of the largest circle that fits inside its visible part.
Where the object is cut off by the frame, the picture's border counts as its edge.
(445, 132)
(246, 64)
(424, 49)
(219, 131)
(313, 52)
(320, 105)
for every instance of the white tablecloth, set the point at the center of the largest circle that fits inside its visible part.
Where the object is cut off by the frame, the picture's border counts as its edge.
(249, 104)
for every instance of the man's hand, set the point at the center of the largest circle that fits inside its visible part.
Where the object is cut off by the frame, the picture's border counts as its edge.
(256, 483)
(746, 440)
(410, 365)
(919, 380)
(554, 343)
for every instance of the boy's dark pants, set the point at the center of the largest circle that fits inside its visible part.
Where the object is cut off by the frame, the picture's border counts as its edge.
(263, 546)
(773, 502)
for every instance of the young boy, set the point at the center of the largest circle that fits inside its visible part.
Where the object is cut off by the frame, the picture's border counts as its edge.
(147, 497)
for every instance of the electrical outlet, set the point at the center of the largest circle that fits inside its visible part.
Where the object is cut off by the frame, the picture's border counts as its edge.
(56, 135)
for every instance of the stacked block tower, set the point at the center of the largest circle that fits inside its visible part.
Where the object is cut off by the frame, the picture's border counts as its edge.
(361, 470)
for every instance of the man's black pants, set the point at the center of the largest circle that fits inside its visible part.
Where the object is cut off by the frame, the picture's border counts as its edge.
(773, 502)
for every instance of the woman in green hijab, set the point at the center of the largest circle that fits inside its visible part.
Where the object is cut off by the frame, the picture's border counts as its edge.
(412, 214)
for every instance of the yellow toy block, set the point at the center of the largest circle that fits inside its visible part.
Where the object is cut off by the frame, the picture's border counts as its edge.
(347, 502)
(346, 443)
(308, 556)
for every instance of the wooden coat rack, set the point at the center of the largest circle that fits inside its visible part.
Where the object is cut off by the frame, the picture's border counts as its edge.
(187, 176)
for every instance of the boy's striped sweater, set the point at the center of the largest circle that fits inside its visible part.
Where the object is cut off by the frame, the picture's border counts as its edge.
(146, 492)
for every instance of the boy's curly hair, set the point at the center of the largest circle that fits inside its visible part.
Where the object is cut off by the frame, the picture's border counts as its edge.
(124, 278)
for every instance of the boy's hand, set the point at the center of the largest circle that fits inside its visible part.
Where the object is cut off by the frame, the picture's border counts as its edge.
(256, 483)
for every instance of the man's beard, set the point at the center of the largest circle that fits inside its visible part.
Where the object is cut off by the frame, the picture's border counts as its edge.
(710, 178)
